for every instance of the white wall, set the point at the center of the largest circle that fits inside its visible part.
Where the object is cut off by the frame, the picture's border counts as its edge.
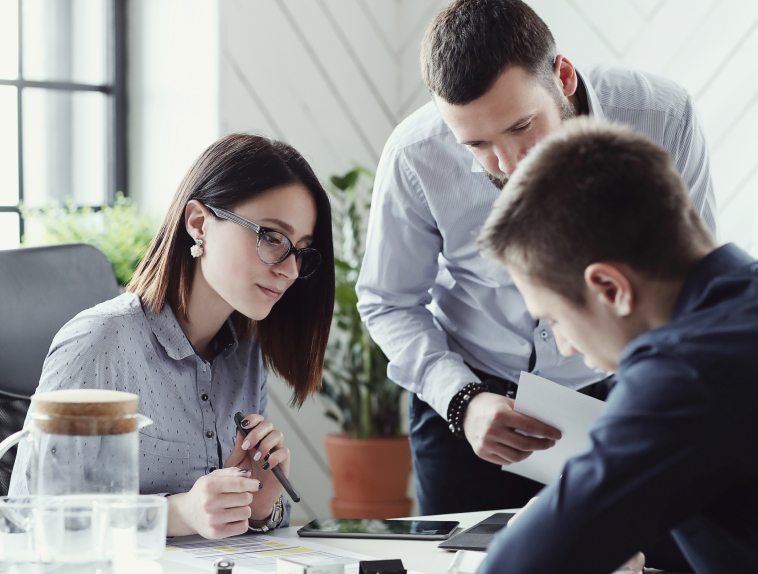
(173, 88)
(332, 77)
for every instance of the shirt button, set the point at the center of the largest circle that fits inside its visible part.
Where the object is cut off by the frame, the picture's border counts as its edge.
(543, 334)
(211, 469)
(209, 433)
(204, 397)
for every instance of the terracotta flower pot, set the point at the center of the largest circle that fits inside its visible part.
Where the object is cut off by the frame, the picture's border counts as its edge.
(370, 477)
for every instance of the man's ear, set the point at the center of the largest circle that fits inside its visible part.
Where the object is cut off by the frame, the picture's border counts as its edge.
(195, 217)
(608, 285)
(565, 75)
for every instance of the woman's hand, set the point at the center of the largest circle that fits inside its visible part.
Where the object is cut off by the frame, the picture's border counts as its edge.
(217, 506)
(268, 454)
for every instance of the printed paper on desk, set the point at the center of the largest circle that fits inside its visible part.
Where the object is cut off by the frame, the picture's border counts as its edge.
(256, 553)
(570, 412)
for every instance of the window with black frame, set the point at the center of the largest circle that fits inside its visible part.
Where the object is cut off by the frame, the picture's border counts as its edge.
(62, 106)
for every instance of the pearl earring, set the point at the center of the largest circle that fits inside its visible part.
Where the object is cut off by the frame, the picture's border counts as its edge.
(197, 249)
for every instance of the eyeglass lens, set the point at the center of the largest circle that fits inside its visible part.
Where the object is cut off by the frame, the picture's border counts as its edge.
(273, 246)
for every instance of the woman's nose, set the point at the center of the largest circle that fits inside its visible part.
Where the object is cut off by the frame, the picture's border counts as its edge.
(288, 267)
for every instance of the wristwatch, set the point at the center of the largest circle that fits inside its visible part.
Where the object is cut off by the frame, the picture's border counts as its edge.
(273, 521)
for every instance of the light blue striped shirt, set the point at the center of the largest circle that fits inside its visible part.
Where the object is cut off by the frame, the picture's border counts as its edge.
(430, 300)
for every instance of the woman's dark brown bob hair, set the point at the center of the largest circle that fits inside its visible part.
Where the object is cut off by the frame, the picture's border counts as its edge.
(237, 168)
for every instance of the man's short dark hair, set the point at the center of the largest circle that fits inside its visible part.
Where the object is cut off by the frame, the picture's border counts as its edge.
(594, 192)
(471, 43)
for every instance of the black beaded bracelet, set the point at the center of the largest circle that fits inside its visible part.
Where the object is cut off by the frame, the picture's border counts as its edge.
(456, 410)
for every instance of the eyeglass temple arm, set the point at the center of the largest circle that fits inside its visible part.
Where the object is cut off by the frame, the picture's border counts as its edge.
(224, 214)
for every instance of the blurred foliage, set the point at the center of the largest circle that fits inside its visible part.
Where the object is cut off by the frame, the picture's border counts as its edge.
(365, 402)
(119, 231)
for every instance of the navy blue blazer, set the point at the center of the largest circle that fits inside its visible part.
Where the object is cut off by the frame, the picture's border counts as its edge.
(674, 450)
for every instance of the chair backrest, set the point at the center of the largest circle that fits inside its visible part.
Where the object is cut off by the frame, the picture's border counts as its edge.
(41, 289)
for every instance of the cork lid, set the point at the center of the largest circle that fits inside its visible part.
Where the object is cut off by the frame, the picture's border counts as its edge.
(85, 412)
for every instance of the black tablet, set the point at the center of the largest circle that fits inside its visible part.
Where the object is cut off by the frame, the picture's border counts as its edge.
(373, 528)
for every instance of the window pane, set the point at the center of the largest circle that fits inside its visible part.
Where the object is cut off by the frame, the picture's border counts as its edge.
(8, 39)
(65, 40)
(65, 146)
(8, 145)
(9, 230)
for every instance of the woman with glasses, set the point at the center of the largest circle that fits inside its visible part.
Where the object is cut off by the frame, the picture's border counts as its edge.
(239, 279)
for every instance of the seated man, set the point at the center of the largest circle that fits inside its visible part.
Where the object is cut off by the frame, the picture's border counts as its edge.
(600, 237)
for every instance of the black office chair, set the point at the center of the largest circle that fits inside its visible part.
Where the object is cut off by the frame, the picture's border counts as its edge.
(41, 288)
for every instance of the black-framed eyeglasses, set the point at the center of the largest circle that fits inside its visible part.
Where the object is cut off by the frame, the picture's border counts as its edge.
(273, 246)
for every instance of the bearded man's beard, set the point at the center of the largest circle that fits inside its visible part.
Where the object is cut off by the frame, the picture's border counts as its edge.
(498, 181)
(567, 112)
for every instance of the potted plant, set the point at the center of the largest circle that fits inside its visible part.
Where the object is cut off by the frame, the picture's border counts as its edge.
(370, 461)
(119, 231)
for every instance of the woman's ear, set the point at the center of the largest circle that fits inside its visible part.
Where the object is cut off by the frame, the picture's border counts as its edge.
(195, 217)
(610, 287)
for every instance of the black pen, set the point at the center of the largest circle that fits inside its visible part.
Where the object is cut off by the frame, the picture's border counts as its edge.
(238, 418)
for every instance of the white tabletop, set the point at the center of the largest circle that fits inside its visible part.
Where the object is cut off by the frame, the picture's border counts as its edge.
(418, 555)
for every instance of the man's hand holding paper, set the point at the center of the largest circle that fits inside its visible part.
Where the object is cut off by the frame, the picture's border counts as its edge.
(573, 413)
(491, 426)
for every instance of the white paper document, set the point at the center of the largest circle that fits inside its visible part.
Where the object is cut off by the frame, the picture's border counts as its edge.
(570, 412)
(256, 553)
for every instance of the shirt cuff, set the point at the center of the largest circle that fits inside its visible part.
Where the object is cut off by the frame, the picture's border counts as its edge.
(442, 383)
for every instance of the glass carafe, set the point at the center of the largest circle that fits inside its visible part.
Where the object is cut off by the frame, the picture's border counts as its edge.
(83, 442)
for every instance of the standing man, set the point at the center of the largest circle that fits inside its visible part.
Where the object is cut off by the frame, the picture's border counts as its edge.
(453, 324)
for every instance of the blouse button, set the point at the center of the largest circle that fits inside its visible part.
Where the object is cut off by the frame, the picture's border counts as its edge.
(211, 469)
(209, 433)
(204, 397)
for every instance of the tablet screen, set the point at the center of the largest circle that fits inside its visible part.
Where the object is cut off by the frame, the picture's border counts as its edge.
(370, 528)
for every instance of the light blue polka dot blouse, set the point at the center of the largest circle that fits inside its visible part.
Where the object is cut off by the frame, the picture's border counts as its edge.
(120, 346)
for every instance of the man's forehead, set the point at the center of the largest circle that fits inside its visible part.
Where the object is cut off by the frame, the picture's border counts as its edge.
(506, 101)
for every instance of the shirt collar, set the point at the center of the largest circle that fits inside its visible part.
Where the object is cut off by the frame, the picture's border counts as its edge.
(593, 103)
(726, 258)
(171, 337)
(226, 341)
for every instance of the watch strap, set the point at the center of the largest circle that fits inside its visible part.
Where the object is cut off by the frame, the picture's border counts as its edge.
(277, 514)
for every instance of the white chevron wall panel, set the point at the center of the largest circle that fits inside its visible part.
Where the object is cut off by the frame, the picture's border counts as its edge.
(333, 77)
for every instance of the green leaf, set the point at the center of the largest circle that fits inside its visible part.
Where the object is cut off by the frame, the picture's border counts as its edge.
(339, 263)
(346, 297)
(119, 231)
(332, 415)
(347, 181)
